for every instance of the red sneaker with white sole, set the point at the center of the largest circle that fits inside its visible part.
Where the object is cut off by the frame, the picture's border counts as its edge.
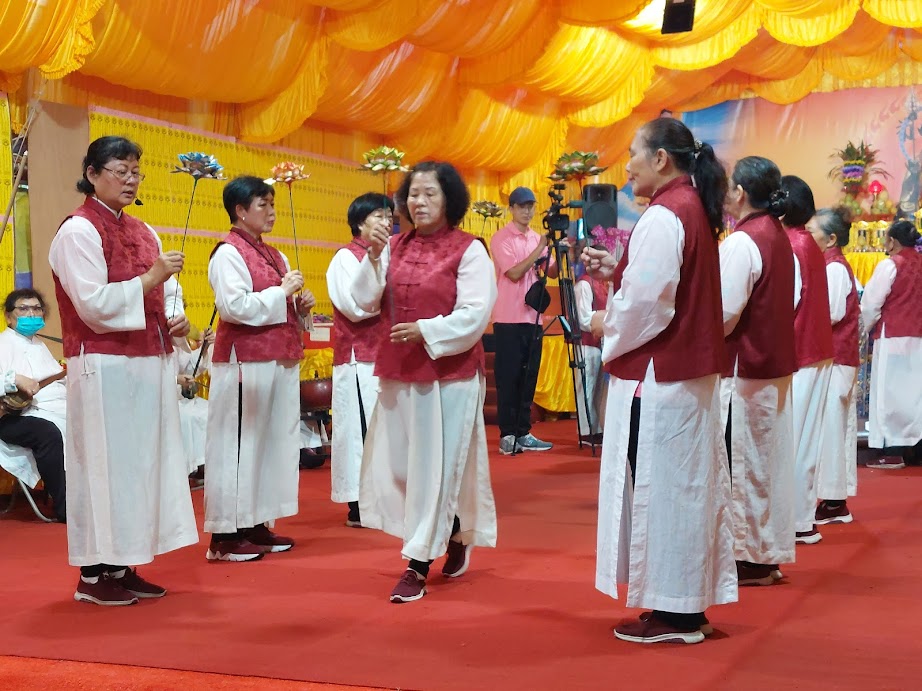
(233, 550)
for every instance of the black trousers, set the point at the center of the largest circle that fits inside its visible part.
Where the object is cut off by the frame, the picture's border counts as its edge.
(673, 618)
(516, 375)
(44, 439)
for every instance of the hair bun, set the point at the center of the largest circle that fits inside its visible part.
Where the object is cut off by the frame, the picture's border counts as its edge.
(844, 213)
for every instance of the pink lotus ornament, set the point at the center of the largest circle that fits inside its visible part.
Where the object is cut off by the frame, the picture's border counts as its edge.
(289, 172)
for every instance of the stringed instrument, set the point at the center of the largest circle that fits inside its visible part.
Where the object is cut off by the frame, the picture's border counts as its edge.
(17, 401)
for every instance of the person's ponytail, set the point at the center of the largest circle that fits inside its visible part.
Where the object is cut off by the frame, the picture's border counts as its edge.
(711, 183)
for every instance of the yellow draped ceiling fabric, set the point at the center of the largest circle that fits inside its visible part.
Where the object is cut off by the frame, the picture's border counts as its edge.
(500, 87)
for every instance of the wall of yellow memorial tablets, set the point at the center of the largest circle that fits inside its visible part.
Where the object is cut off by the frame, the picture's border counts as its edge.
(320, 202)
(6, 186)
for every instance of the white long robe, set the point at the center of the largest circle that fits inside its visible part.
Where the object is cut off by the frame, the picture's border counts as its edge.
(596, 381)
(425, 459)
(127, 489)
(256, 480)
(761, 431)
(348, 380)
(193, 412)
(30, 357)
(895, 410)
(669, 538)
(839, 450)
(811, 388)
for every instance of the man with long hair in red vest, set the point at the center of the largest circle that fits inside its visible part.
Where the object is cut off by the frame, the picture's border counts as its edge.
(667, 534)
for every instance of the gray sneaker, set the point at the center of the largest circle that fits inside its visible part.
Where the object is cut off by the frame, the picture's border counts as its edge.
(507, 445)
(531, 443)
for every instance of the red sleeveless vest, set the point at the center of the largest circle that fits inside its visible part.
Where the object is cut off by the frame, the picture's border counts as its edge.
(901, 313)
(259, 343)
(362, 337)
(421, 284)
(812, 324)
(845, 332)
(762, 344)
(692, 346)
(130, 250)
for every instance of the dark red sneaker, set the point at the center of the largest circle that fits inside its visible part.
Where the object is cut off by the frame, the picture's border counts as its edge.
(411, 586)
(706, 627)
(261, 536)
(886, 463)
(832, 514)
(754, 574)
(651, 629)
(808, 537)
(457, 560)
(105, 591)
(137, 586)
(233, 550)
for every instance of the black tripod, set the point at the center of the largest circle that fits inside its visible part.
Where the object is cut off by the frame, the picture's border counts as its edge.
(568, 319)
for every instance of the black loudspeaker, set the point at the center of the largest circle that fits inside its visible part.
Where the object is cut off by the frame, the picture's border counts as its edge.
(678, 16)
(600, 206)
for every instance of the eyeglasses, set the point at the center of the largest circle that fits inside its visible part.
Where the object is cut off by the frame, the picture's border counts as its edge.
(29, 309)
(126, 175)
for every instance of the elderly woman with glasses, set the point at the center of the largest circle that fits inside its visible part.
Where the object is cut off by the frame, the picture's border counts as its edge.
(127, 489)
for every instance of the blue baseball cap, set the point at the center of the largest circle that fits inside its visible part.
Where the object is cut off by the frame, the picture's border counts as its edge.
(522, 195)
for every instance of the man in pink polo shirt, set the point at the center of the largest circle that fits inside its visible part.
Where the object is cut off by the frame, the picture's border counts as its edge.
(515, 249)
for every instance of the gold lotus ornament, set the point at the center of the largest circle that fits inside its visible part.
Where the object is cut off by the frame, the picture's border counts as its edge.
(577, 165)
(486, 209)
(384, 159)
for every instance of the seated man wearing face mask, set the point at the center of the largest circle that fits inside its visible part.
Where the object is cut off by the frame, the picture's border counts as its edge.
(28, 366)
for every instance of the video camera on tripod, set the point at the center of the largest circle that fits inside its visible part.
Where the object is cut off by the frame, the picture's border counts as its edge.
(554, 221)
(599, 205)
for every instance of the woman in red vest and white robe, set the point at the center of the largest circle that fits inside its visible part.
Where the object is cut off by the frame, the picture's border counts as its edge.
(127, 489)
(254, 402)
(669, 537)
(891, 313)
(591, 297)
(757, 285)
(837, 469)
(813, 351)
(425, 470)
(357, 335)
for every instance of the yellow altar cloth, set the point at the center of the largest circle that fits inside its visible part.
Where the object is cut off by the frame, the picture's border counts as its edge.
(863, 264)
(554, 391)
(317, 364)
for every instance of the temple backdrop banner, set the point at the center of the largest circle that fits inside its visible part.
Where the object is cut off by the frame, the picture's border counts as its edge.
(802, 137)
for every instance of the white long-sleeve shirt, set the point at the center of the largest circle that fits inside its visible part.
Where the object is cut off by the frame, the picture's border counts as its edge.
(840, 285)
(740, 268)
(452, 333)
(875, 293)
(645, 303)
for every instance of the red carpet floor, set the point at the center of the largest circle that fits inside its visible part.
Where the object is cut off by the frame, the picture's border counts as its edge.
(525, 617)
